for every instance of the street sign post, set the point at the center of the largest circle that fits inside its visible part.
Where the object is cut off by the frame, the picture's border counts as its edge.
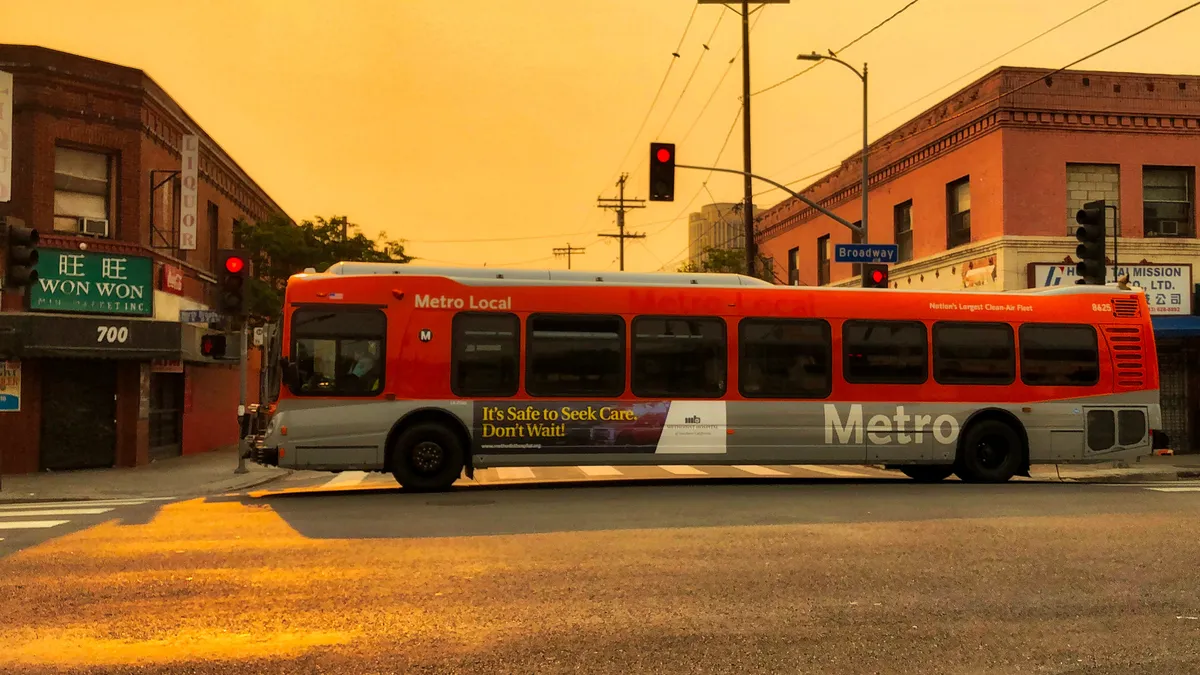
(866, 253)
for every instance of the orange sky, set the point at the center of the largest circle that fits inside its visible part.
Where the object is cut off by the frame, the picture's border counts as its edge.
(502, 119)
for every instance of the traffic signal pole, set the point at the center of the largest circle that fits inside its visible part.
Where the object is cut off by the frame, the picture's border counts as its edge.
(853, 228)
(241, 467)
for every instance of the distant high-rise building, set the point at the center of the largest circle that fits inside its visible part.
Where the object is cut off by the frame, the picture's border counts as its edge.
(719, 225)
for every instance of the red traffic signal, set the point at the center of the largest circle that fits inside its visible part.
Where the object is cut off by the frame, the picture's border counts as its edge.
(663, 154)
(212, 346)
(234, 264)
(232, 281)
(662, 172)
(875, 275)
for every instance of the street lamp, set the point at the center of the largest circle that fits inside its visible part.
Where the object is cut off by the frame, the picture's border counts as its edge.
(862, 76)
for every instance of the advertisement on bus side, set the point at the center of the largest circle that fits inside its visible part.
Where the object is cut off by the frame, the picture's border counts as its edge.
(662, 427)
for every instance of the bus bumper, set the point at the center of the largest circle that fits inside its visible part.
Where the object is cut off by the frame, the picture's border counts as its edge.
(1159, 439)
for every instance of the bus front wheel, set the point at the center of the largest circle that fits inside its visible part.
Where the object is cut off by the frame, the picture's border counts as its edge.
(925, 473)
(427, 457)
(991, 452)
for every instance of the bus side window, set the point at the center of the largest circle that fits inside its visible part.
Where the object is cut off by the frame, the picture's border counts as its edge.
(485, 350)
(574, 355)
(1059, 355)
(679, 357)
(785, 358)
(339, 351)
(885, 352)
(967, 352)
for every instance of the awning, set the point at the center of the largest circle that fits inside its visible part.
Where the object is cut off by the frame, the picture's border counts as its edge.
(1178, 326)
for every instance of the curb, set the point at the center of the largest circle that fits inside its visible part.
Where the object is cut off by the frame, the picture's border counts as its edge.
(1139, 477)
(225, 490)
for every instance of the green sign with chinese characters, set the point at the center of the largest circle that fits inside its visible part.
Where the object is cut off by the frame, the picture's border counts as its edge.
(93, 283)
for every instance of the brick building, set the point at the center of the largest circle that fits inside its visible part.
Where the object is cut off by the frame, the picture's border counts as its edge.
(108, 375)
(979, 193)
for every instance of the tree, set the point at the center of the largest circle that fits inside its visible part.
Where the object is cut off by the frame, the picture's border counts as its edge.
(730, 261)
(278, 249)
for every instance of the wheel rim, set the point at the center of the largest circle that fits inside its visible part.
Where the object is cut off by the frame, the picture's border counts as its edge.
(992, 451)
(427, 458)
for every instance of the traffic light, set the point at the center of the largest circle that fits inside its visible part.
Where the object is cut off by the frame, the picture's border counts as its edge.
(22, 256)
(233, 268)
(1091, 235)
(212, 346)
(662, 172)
(875, 275)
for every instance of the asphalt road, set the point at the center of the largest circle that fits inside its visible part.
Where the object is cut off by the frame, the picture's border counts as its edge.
(755, 575)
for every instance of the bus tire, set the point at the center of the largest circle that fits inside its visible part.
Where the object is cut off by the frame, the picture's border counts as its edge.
(927, 473)
(427, 457)
(991, 452)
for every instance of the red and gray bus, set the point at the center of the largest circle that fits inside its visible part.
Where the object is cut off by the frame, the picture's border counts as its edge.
(428, 373)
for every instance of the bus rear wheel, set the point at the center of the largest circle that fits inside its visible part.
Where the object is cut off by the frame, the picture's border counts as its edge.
(991, 452)
(925, 473)
(427, 457)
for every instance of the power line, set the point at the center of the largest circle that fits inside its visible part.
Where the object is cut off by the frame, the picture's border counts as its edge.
(674, 57)
(568, 251)
(695, 68)
(621, 205)
(729, 67)
(840, 49)
(910, 104)
(492, 240)
(800, 179)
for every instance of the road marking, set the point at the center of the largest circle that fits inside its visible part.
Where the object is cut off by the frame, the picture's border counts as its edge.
(830, 471)
(1175, 489)
(53, 512)
(84, 502)
(32, 524)
(599, 470)
(346, 479)
(759, 470)
(684, 470)
(514, 473)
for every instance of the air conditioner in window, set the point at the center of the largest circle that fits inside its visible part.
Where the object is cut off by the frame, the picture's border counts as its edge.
(1168, 227)
(94, 227)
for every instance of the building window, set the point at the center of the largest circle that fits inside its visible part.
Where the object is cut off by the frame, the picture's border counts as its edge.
(794, 267)
(902, 220)
(485, 352)
(81, 192)
(1089, 182)
(1167, 201)
(823, 260)
(885, 352)
(785, 358)
(958, 213)
(1059, 355)
(214, 235)
(678, 357)
(338, 351)
(575, 355)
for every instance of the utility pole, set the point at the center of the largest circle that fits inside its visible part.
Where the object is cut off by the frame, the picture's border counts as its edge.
(568, 251)
(748, 209)
(621, 205)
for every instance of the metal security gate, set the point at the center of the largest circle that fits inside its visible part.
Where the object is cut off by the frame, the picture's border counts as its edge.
(166, 415)
(79, 414)
(1173, 390)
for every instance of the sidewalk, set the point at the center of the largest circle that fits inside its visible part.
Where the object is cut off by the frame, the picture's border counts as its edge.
(189, 476)
(1150, 468)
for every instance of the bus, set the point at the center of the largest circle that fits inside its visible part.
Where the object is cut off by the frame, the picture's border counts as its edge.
(429, 373)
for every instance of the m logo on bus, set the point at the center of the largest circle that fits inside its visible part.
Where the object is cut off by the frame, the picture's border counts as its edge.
(900, 429)
(425, 335)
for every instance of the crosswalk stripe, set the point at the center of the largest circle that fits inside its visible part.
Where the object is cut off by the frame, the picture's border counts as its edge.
(600, 470)
(514, 473)
(759, 470)
(346, 479)
(683, 470)
(1175, 489)
(830, 471)
(53, 512)
(84, 502)
(31, 524)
